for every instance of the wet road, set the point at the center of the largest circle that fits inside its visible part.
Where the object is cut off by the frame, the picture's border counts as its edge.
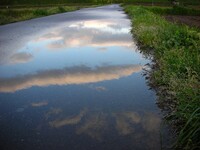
(74, 81)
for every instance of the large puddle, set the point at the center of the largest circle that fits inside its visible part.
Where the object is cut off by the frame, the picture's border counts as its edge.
(78, 87)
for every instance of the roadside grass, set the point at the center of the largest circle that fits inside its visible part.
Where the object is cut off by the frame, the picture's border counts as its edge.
(19, 14)
(176, 50)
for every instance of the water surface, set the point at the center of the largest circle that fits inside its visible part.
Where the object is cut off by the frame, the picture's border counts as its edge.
(78, 86)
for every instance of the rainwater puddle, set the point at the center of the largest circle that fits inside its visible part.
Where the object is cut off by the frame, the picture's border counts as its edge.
(79, 87)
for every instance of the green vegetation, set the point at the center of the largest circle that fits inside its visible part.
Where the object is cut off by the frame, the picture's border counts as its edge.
(176, 51)
(18, 10)
(176, 10)
(39, 2)
(191, 2)
(19, 14)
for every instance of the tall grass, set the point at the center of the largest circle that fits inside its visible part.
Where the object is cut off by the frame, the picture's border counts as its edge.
(177, 60)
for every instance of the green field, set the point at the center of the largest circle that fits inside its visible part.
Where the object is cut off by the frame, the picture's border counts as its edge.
(14, 15)
(19, 14)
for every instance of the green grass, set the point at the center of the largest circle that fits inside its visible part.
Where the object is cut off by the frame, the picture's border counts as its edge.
(19, 14)
(177, 59)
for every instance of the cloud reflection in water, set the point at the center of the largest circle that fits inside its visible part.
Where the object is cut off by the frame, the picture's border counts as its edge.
(125, 122)
(20, 57)
(68, 121)
(141, 128)
(101, 34)
(39, 104)
(56, 57)
(94, 126)
(73, 75)
(95, 33)
(52, 112)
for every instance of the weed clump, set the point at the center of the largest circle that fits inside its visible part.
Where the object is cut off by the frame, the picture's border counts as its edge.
(61, 9)
(40, 12)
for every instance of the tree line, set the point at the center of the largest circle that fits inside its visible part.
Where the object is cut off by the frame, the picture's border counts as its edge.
(39, 2)
(20, 2)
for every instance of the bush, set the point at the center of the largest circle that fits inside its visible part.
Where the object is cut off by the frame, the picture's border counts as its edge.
(61, 9)
(40, 12)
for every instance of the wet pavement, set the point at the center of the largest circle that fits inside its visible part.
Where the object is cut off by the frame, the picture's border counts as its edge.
(74, 81)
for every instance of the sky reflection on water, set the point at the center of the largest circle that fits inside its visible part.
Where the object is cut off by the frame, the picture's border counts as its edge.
(78, 87)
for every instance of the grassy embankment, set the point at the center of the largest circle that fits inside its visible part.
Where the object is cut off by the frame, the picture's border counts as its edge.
(19, 14)
(176, 51)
